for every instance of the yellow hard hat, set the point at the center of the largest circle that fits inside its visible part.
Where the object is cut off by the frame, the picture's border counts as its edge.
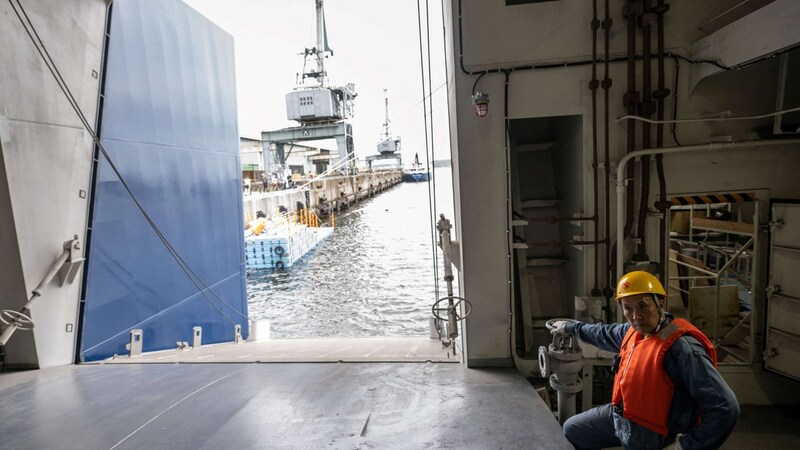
(639, 282)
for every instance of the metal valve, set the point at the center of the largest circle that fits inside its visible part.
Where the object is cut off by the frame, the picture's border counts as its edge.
(562, 361)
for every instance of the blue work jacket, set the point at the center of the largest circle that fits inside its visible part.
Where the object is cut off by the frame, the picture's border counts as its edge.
(699, 388)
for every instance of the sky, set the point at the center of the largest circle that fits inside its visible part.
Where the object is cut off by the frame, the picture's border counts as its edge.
(375, 45)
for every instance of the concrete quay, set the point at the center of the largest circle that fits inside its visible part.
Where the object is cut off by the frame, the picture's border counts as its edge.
(324, 195)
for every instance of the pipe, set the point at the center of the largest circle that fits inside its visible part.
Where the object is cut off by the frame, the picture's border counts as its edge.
(591, 242)
(674, 128)
(566, 405)
(607, 22)
(711, 146)
(646, 110)
(554, 219)
(593, 85)
(641, 222)
(631, 12)
(37, 292)
(661, 94)
(721, 118)
(444, 228)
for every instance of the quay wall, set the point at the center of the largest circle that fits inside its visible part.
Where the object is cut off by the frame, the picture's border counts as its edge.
(324, 195)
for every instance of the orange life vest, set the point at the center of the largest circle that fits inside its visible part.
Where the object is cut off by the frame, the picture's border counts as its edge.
(641, 384)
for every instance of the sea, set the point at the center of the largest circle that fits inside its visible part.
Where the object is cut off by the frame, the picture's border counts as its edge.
(373, 277)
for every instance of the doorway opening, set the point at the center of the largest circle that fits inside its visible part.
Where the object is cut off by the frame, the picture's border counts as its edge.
(713, 269)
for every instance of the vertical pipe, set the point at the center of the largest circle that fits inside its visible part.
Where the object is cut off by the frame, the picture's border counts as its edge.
(607, 22)
(647, 108)
(661, 95)
(593, 85)
(566, 405)
(631, 12)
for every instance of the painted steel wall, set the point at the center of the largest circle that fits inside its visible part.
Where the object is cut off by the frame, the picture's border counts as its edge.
(45, 167)
(169, 123)
(485, 35)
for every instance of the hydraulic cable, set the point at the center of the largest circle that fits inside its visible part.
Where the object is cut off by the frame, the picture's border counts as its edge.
(30, 29)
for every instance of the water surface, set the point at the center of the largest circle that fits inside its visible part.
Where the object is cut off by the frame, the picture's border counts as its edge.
(373, 277)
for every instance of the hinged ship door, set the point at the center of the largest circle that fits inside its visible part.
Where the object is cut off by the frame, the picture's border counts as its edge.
(782, 353)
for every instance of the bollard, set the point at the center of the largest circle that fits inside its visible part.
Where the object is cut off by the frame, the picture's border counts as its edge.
(197, 337)
(135, 345)
(237, 334)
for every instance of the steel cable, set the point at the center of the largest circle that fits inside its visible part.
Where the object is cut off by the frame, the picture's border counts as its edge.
(432, 223)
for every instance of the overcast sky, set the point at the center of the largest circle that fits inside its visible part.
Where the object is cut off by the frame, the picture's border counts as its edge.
(375, 45)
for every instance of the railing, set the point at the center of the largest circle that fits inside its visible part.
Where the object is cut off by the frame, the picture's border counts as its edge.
(710, 274)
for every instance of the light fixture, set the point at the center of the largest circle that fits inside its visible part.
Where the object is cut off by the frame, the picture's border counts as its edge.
(481, 103)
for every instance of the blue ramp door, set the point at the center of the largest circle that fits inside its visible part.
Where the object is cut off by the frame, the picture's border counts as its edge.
(168, 122)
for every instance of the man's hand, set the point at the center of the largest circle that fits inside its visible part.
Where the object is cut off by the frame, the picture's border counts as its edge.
(675, 445)
(558, 327)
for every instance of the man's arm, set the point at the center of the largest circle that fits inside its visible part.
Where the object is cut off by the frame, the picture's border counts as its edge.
(604, 336)
(688, 365)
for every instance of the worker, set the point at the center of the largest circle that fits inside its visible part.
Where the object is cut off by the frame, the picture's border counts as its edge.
(667, 392)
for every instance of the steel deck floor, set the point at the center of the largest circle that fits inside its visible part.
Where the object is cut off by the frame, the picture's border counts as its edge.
(222, 406)
(304, 350)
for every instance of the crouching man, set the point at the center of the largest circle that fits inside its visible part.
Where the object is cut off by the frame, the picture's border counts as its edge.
(667, 391)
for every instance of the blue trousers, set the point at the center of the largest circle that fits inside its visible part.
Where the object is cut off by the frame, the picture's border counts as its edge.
(603, 427)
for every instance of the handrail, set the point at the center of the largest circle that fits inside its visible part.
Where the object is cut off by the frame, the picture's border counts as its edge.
(712, 275)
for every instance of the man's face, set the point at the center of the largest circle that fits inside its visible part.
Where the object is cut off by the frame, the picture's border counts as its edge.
(641, 312)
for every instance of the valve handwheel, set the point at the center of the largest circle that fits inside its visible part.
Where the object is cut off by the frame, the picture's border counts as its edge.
(438, 310)
(550, 324)
(10, 317)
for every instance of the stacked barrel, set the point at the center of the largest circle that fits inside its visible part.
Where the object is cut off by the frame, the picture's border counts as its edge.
(271, 250)
(268, 252)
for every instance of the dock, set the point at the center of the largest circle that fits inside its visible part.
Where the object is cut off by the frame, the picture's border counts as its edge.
(325, 195)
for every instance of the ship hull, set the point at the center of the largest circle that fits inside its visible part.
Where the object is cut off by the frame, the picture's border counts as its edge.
(416, 177)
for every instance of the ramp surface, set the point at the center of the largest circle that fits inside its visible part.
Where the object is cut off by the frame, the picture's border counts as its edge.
(213, 406)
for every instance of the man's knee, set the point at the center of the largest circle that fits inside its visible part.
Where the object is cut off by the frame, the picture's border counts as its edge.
(591, 429)
(574, 428)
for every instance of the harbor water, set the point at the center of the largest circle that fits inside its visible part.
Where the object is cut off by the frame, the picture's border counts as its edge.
(374, 277)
